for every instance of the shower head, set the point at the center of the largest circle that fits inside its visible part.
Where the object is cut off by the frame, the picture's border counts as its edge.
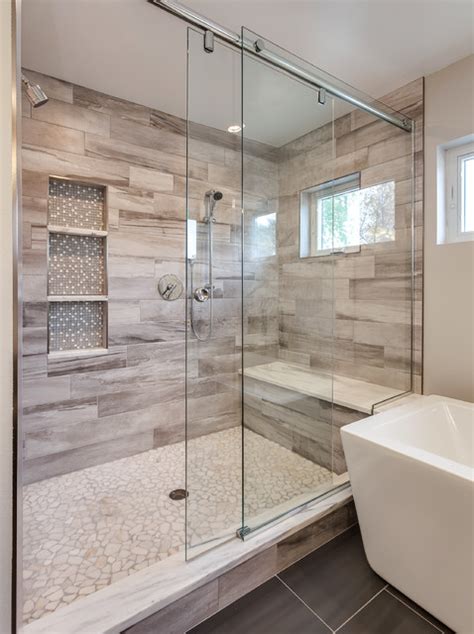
(214, 195)
(36, 95)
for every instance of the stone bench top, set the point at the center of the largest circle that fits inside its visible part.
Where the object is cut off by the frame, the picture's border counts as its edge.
(342, 390)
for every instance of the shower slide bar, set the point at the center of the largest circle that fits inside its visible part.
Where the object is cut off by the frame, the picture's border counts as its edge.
(258, 48)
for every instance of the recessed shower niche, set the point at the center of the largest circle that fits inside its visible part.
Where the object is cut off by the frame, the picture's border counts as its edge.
(77, 272)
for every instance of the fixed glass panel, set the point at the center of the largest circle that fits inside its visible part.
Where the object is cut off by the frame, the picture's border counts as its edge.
(336, 332)
(288, 302)
(213, 327)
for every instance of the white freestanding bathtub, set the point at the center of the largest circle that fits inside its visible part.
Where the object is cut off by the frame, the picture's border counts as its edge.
(411, 470)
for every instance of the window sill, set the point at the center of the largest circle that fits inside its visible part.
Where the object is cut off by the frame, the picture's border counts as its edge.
(458, 238)
(327, 252)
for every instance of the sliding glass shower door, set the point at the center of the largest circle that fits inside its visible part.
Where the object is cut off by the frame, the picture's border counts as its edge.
(301, 294)
(213, 315)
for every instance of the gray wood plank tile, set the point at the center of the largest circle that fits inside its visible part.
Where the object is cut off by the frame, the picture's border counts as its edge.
(169, 389)
(130, 199)
(75, 117)
(151, 180)
(87, 456)
(38, 391)
(61, 438)
(113, 106)
(59, 413)
(34, 183)
(34, 262)
(54, 88)
(152, 332)
(115, 150)
(83, 168)
(305, 541)
(148, 136)
(247, 576)
(49, 135)
(114, 358)
(165, 242)
(35, 340)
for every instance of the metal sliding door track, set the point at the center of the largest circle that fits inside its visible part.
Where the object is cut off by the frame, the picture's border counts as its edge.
(258, 48)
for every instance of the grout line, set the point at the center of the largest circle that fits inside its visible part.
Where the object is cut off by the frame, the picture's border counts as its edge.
(304, 603)
(362, 607)
(415, 611)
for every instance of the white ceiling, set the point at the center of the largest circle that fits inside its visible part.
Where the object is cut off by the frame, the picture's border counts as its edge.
(133, 50)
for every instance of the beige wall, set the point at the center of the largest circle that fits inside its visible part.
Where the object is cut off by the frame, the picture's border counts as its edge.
(449, 268)
(5, 316)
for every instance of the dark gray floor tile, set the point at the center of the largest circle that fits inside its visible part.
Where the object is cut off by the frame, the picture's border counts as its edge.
(336, 580)
(386, 615)
(269, 608)
(421, 611)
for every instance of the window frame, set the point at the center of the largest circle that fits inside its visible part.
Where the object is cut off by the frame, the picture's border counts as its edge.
(454, 158)
(310, 222)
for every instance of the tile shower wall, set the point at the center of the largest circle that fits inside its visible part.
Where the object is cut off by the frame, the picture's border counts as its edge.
(349, 314)
(372, 289)
(85, 410)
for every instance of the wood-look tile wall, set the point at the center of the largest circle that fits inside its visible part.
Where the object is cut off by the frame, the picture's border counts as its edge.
(369, 293)
(85, 410)
(352, 313)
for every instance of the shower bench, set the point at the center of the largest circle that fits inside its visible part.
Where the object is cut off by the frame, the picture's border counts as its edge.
(303, 410)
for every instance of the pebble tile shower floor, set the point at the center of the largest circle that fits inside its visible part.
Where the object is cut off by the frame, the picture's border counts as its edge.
(87, 529)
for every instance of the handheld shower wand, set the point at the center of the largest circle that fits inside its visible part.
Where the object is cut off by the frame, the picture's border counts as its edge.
(206, 293)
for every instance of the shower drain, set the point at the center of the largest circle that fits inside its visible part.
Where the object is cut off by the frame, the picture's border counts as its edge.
(179, 494)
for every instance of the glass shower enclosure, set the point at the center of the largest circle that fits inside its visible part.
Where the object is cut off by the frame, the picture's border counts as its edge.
(299, 279)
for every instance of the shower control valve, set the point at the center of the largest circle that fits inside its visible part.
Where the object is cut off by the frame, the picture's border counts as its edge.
(170, 287)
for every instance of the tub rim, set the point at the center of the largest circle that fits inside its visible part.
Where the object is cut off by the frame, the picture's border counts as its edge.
(363, 429)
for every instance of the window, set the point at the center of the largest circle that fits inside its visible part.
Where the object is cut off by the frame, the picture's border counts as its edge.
(264, 235)
(339, 216)
(467, 193)
(459, 193)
